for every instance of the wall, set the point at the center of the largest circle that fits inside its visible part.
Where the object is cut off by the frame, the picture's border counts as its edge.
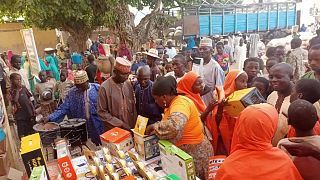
(10, 38)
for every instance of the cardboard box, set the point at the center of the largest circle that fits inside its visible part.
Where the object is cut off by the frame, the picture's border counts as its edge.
(16, 174)
(170, 177)
(53, 170)
(66, 168)
(4, 164)
(38, 173)
(239, 100)
(31, 152)
(147, 146)
(214, 164)
(141, 125)
(176, 161)
(118, 139)
(81, 167)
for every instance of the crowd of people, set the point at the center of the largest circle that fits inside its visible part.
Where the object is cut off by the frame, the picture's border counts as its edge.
(183, 95)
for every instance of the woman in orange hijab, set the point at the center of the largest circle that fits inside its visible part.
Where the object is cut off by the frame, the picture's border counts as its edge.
(192, 85)
(222, 136)
(253, 156)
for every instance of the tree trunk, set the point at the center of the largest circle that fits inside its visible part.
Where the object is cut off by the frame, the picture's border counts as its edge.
(78, 41)
(150, 26)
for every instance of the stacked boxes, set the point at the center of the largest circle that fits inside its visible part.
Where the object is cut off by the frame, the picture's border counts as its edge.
(31, 152)
(146, 146)
(117, 139)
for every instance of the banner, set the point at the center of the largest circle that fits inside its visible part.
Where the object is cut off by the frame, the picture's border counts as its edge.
(30, 45)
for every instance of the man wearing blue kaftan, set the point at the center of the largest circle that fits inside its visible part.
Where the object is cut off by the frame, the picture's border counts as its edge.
(74, 106)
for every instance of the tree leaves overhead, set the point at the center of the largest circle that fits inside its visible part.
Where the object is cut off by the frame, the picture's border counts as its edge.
(81, 17)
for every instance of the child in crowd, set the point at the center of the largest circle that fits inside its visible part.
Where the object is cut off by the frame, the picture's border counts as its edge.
(23, 108)
(91, 69)
(262, 84)
(168, 67)
(70, 74)
(42, 86)
(62, 87)
(307, 89)
(50, 78)
(222, 58)
(281, 76)
(271, 62)
(302, 115)
(251, 67)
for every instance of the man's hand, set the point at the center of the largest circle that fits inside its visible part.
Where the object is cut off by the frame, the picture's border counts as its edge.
(44, 120)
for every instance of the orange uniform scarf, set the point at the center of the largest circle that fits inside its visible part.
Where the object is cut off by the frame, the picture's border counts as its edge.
(185, 87)
(252, 155)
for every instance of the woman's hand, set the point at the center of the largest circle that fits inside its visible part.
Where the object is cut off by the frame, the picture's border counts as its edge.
(213, 103)
(150, 130)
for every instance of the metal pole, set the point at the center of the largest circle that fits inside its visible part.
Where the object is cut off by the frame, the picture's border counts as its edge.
(258, 16)
(247, 20)
(235, 20)
(268, 18)
(210, 22)
(287, 14)
(222, 21)
(277, 15)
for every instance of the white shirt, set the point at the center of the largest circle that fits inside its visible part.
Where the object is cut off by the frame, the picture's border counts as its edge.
(171, 52)
(173, 75)
(212, 75)
(89, 43)
(240, 53)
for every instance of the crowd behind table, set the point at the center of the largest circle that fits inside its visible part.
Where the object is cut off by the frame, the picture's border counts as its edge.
(184, 95)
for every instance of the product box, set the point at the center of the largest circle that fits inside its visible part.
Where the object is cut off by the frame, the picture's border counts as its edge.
(146, 146)
(38, 173)
(117, 138)
(31, 152)
(214, 164)
(81, 167)
(66, 168)
(4, 164)
(170, 177)
(239, 100)
(64, 162)
(53, 170)
(175, 161)
(141, 125)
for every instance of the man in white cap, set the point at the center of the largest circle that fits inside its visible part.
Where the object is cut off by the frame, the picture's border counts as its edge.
(211, 72)
(152, 57)
(81, 102)
(116, 104)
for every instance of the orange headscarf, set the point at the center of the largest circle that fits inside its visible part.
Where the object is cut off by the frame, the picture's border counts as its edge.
(253, 156)
(227, 123)
(230, 82)
(185, 87)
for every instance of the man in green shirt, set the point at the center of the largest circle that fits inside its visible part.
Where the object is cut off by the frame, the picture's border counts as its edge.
(314, 62)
